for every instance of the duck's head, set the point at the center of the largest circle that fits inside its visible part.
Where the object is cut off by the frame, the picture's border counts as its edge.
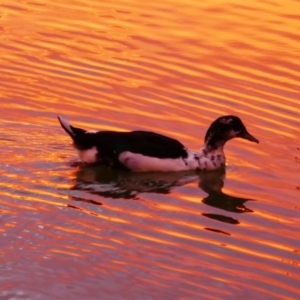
(224, 129)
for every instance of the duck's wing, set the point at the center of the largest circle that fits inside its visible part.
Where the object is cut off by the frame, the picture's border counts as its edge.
(141, 142)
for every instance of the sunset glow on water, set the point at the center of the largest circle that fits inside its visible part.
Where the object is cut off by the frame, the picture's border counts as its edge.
(171, 67)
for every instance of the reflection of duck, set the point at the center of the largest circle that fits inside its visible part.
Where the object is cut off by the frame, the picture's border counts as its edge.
(112, 183)
(121, 184)
(144, 151)
(212, 184)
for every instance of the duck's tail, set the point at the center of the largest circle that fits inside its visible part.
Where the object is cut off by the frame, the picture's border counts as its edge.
(73, 132)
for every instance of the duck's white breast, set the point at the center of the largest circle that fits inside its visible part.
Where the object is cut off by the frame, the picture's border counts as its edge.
(141, 163)
(211, 161)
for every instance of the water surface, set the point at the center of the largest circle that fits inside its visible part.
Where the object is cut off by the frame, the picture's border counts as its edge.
(168, 66)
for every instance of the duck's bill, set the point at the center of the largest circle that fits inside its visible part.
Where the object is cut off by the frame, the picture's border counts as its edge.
(247, 136)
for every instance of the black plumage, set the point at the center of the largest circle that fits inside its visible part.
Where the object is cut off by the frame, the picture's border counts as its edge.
(110, 144)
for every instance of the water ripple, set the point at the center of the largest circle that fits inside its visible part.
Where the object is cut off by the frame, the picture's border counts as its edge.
(170, 67)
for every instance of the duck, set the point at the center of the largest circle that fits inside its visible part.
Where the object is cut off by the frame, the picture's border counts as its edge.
(146, 151)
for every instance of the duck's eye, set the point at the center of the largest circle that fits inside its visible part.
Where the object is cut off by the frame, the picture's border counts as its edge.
(232, 133)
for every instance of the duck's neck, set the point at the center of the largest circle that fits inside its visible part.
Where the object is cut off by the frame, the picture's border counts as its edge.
(213, 144)
(208, 151)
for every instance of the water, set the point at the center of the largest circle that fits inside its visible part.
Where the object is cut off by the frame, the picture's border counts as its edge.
(171, 67)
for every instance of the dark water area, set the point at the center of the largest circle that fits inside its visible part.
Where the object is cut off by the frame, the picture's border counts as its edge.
(171, 67)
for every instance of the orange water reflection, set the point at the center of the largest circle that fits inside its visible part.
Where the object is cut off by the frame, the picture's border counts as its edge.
(172, 67)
